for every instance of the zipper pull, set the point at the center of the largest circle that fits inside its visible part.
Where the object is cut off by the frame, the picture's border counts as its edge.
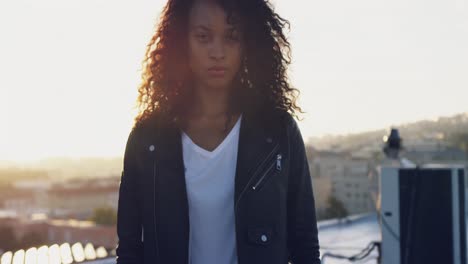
(278, 161)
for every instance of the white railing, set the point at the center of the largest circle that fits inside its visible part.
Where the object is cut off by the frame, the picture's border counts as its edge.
(58, 254)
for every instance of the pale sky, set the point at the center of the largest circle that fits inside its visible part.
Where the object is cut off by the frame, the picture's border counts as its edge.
(69, 70)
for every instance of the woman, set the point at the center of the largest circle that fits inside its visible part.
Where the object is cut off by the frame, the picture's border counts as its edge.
(215, 169)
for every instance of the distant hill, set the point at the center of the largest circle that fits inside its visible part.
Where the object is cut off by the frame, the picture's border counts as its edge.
(443, 129)
(64, 168)
(10, 174)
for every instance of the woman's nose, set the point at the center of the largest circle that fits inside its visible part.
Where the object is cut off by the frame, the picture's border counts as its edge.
(217, 50)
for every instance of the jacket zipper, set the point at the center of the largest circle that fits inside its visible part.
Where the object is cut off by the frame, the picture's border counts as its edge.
(253, 176)
(278, 168)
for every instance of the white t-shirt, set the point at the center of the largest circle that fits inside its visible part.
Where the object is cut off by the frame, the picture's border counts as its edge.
(210, 188)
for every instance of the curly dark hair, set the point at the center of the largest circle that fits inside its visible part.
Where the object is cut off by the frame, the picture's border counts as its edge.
(260, 85)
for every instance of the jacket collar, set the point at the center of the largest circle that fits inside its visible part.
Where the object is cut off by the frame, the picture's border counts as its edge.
(257, 137)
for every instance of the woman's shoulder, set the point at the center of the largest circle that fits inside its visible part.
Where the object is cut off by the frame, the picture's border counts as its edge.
(278, 121)
(287, 123)
(145, 126)
(283, 117)
(150, 122)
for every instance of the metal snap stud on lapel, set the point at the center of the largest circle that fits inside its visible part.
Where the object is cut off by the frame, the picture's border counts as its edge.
(151, 148)
(269, 140)
(264, 238)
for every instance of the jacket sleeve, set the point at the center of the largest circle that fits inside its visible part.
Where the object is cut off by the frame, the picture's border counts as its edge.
(303, 241)
(129, 249)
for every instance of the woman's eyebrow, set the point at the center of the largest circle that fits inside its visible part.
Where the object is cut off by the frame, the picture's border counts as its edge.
(200, 27)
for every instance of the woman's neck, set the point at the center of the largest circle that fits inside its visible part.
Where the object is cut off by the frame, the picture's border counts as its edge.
(210, 103)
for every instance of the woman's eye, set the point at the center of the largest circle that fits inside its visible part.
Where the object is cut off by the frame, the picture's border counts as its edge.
(202, 37)
(233, 36)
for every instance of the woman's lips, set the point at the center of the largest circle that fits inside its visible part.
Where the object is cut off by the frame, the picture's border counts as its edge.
(217, 71)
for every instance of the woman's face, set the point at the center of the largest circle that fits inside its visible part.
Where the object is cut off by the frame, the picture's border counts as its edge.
(215, 47)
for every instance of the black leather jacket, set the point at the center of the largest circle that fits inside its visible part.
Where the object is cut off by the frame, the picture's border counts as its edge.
(274, 201)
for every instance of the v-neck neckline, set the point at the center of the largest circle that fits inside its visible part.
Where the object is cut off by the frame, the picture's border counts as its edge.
(220, 147)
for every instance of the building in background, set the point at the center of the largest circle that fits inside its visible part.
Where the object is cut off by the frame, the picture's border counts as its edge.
(343, 177)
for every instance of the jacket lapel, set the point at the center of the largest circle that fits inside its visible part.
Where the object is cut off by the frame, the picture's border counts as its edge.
(256, 140)
(171, 207)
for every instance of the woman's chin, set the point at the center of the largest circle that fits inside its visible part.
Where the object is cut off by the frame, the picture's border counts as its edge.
(217, 83)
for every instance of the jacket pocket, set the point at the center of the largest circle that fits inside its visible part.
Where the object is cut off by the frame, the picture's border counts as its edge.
(273, 167)
(260, 235)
